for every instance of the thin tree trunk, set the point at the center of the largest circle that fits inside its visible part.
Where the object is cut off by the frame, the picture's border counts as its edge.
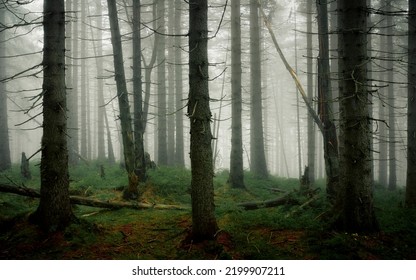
(83, 107)
(204, 224)
(325, 100)
(140, 167)
(162, 153)
(131, 192)
(411, 110)
(309, 89)
(171, 86)
(72, 95)
(5, 160)
(54, 210)
(180, 151)
(236, 179)
(257, 153)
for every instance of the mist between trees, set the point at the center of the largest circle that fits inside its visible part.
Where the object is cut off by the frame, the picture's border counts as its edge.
(136, 90)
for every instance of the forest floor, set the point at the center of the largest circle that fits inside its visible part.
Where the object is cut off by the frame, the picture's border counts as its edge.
(283, 232)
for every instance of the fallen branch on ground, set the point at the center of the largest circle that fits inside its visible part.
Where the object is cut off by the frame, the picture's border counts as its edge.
(285, 199)
(24, 191)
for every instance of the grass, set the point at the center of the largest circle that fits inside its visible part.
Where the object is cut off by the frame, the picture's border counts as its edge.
(268, 233)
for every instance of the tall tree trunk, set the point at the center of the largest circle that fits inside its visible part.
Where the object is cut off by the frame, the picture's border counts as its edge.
(383, 147)
(391, 97)
(411, 110)
(180, 151)
(110, 149)
(100, 85)
(236, 179)
(354, 205)
(5, 161)
(325, 99)
(162, 153)
(72, 95)
(137, 92)
(309, 62)
(83, 107)
(257, 153)
(171, 86)
(54, 210)
(204, 224)
(131, 192)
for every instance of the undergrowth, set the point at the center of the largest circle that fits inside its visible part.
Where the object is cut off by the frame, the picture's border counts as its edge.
(283, 232)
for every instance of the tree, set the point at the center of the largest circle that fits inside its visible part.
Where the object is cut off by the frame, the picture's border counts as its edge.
(204, 224)
(411, 109)
(354, 205)
(54, 211)
(72, 94)
(179, 141)
(137, 93)
(131, 192)
(5, 161)
(311, 127)
(162, 153)
(325, 99)
(257, 153)
(236, 178)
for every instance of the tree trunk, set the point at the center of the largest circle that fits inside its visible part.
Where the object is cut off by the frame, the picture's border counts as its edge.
(162, 152)
(72, 95)
(171, 85)
(5, 161)
(383, 147)
(100, 86)
(131, 192)
(204, 224)
(354, 205)
(391, 98)
(180, 151)
(257, 153)
(309, 89)
(236, 179)
(54, 210)
(84, 73)
(325, 99)
(411, 110)
(140, 167)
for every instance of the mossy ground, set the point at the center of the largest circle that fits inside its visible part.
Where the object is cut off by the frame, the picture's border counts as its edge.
(269, 233)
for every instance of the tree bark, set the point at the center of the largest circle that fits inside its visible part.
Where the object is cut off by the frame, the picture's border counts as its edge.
(204, 224)
(411, 110)
(236, 179)
(180, 150)
(5, 160)
(140, 168)
(131, 192)
(162, 148)
(354, 206)
(325, 99)
(54, 210)
(257, 153)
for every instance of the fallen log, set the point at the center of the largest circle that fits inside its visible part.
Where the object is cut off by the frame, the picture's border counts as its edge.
(87, 201)
(283, 200)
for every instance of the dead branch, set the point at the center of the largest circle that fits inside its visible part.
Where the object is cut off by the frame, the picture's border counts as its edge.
(86, 201)
(283, 200)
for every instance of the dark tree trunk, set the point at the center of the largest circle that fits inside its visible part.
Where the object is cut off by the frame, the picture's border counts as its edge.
(180, 151)
(72, 95)
(5, 161)
(354, 205)
(84, 74)
(257, 155)
(411, 113)
(309, 89)
(204, 224)
(162, 148)
(236, 179)
(100, 86)
(325, 99)
(137, 92)
(54, 210)
(131, 192)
